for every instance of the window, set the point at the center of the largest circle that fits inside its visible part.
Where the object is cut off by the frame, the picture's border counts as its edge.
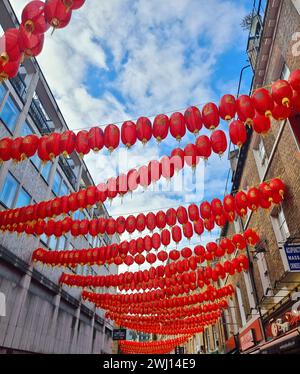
(2, 92)
(9, 114)
(52, 242)
(9, 191)
(23, 199)
(264, 273)
(26, 130)
(241, 306)
(64, 190)
(260, 156)
(62, 243)
(295, 127)
(45, 172)
(280, 226)
(56, 183)
(44, 239)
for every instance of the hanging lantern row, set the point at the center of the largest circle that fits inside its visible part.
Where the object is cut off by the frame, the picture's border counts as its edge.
(28, 39)
(203, 217)
(166, 313)
(92, 195)
(156, 347)
(166, 317)
(131, 252)
(182, 282)
(191, 325)
(157, 298)
(254, 111)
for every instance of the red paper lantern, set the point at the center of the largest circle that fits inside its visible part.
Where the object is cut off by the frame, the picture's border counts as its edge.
(176, 234)
(182, 215)
(186, 252)
(191, 158)
(151, 258)
(193, 212)
(151, 221)
(174, 255)
(281, 112)
(253, 198)
(261, 124)
(53, 145)
(155, 171)
(278, 186)
(282, 92)
(111, 137)
(245, 109)
(193, 120)
(161, 126)
(141, 222)
(263, 102)
(161, 220)
(204, 147)
(57, 14)
(128, 134)
(165, 237)
(177, 126)
(67, 143)
(132, 180)
(156, 240)
(5, 149)
(241, 202)
(167, 167)
(9, 47)
(16, 152)
(237, 133)
(30, 44)
(139, 259)
(162, 256)
(33, 18)
(96, 139)
(177, 158)
(239, 241)
(130, 224)
(227, 107)
(229, 204)
(112, 190)
(171, 217)
(144, 176)
(9, 69)
(217, 208)
(205, 210)
(218, 142)
(209, 224)
(144, 129)
(82, 143)
(188, 230)
(294, 80)
(210, 116)
(199, 227)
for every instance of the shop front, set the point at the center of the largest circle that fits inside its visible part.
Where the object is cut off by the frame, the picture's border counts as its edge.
(250, 337)
(282, 331)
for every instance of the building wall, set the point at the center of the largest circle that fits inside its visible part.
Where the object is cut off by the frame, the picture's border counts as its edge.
(42, 316)
(282, 160)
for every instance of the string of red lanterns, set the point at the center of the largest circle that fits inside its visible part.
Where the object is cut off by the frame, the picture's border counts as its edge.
(203, 217)
(255, 111)
(156, 298)
(28, 40)
(156, 347)
(130, 252)
(92, 195)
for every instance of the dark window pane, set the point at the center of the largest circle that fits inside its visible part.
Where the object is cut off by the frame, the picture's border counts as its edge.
(46, 168)
(9, 191)
(2, 92)
(23, 199)
(9, 114)
(56, 183)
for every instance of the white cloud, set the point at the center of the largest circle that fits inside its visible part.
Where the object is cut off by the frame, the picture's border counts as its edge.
(141, 57)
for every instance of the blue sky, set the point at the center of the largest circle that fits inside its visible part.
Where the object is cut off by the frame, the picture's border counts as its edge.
(120, 59)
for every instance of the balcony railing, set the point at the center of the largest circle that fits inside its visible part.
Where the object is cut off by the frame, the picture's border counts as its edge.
(69, 172)
(39, 117)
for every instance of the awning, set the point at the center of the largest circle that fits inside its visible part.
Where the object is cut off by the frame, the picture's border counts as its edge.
(288, 341)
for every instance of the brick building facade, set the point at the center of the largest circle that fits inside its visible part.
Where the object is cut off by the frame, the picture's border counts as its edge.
(263, 295)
